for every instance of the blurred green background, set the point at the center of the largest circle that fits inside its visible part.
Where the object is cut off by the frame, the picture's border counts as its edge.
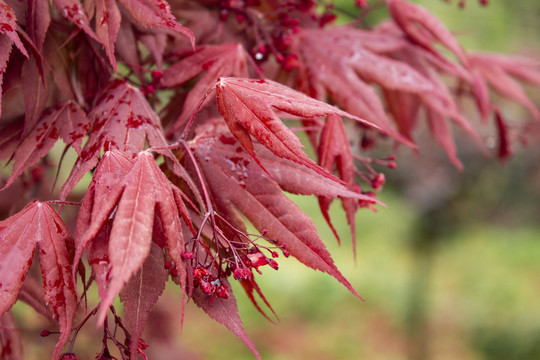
(450, 271)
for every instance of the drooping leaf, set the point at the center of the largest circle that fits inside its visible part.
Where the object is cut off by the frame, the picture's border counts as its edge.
(103, 192)
(335, 151)
(107, 25)
(217, 61)
(225, 312)
(239, 181)
(38, 19)
(66, 121)
(155, 14)
(59, 288)
(10, 338)
(249, 108)
(35, 89)
(121, 120)
(423, 27)
(18, 236)
(443, 135)
(141, 293)
(74, 11)
(133, 198)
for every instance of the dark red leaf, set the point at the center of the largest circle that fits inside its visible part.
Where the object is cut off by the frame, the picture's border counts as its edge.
(224, 311)
(121, 120)
(66, 121)
(155, 14)
(35, 89)
(74, 11)
(8, 26)
(141, 293)
(38, 19)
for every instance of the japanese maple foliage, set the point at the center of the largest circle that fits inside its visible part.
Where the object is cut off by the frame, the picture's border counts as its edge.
(187, 115)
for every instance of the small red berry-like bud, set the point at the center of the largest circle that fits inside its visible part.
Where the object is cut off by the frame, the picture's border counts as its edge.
(187, 255)
(200, 273)
(264, 232)
(168, 265)
(44, 333)
(207, 288)
(462, 4)
(222, 292)
(484, 2)
(361, 3)
(156, 75)
(275, 254)
(273, 264)
(392, 165)
(378, 181)
(285, 253)
(238, 274)
(257, 259)
(142, 344)
(68, 356)
(391, 157)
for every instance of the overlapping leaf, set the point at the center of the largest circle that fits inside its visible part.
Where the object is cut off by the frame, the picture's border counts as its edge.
(66, 121)
(224, 311)
(38, 223)
(142, 292)
(133, 195)
(121, 120)
(249, 107)
(234, 178)
(10, 338)
(217, 61)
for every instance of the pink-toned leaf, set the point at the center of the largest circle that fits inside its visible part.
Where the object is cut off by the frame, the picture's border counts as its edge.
(423, 27)
(8, 26)
(10, 338)
(217, 61)
(250, 286)
(18, 237)
(32, 294)
(107, 25)
(262, 201)
(59, 288)
(225, 312)
(38, 18)
(156, 44)
(249, 108)
(335, 151)
(141, 293)
(74, 12)
(498, 73)
(443, 135)
(155, 14)
(66, 121)
(121, 120)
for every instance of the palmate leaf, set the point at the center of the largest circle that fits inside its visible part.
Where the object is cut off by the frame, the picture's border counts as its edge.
(234, 178)
(249, 107)
(121, 120)
(74, 11)
(131, 193)
(8, 37)
(39, 223)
